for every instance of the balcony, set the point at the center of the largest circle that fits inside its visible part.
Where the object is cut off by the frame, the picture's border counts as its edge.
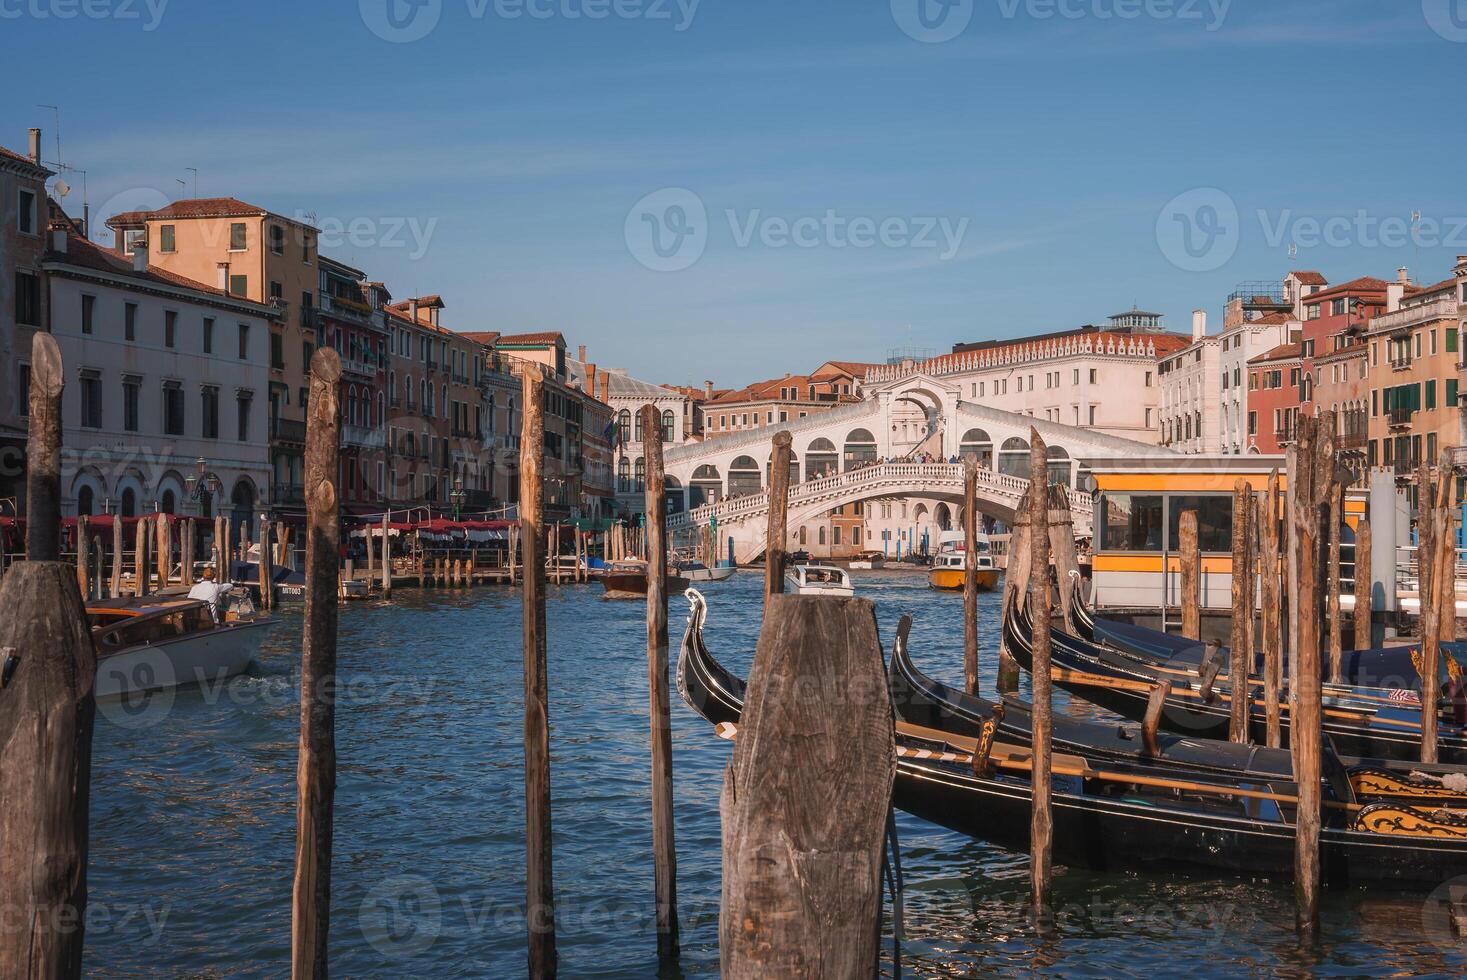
(350, 311)
(1409, 317)
(287, 430)
(1400, 363)
(287, 493)
(1400, 418)
(363, 437)
(1405, 467)
(1353, 441)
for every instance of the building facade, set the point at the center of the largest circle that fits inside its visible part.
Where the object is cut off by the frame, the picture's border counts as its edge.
(1414, 352)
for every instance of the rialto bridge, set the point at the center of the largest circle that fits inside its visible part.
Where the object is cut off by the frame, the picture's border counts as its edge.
(869, 451)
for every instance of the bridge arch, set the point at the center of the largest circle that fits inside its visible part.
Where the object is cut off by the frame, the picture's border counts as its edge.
(1059, 469)
(860, 449)
(743, 477)
(1013, 457)
(977, 444)
(706, 486)
(821, 459)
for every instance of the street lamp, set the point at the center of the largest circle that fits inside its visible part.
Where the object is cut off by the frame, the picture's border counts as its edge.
(457, 495)
(199, 486)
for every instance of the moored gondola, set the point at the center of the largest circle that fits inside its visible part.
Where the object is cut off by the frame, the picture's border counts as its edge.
(1117, 816)
(1360, 722)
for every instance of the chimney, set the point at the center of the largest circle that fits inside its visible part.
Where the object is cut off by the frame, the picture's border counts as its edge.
(413, 309)
(36, 147)
(606, 387)
(591, 380)
(58, 240)
(708, 390)
(581, 353)
(140, 256)
(1199, 324)
(1395, 292)
(223, 268)
(1402, 277)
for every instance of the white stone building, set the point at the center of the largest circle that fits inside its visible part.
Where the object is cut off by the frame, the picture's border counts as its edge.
(1191, 411)
(161, 372)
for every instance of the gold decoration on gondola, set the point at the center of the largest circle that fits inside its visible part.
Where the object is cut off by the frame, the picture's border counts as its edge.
(1369, 783)
(1409, 821)
(1454, 669)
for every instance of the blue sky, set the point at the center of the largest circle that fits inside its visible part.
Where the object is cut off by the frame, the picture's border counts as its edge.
(823, 178)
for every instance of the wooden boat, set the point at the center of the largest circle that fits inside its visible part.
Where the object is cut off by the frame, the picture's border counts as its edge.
(628, 580)
(949, 572)
(698, 572)
(1361, 721)
(868, 561)
(150, 644)
(818, 580)
(1114, 816)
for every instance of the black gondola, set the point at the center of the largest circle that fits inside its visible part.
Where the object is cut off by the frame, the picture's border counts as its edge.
(1104, 821)
(1357, 725)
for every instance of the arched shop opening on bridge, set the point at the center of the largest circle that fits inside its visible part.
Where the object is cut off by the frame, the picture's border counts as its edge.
(860, 449)
(706, 487)
(744, 477)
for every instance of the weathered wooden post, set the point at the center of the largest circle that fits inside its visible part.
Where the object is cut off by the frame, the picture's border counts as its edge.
(1311, 474)
(43, 451)
(777, 534)
(1273, 641)
(806, 796)
(1041, 821)
(1062, 547)
(1332, 595)
(1239, 661)
(386, 558)
(1363, 633)
(316, 768)
(83, 557)
(371, 558)
(267, 572)
(47, 707)
(539, 886)
(140, 559)
(117, 552)
(282, 531)
(190, 550)
(970, 576)
(664, 849)
(1437, 592)
(1191, 575)
(1015, 586)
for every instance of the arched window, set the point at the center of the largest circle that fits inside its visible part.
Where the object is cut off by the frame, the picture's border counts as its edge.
(707, 486)
(639, 474)
(860, 449)
(977, 445)
(667, 425)
(743, 477)
(1013, 457)
(624, 476)
(169, 503)
(637, 423)
(820, 535)
(624, 426)
(821, 459)
(84, 502)
(129, 503)
(1059, 466)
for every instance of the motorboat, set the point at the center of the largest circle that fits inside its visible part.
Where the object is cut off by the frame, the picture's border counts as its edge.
(154, 643)
(818, 580)
(696, 571)
(868, 561)
(950, 572)
(628, 580)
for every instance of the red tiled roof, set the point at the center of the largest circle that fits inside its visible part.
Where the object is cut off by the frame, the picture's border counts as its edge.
(546, 337)
(18, 158)
(1268, 319)
(1444, 285)
(88, 255)
(485, 337)
(1283, 352)
(202, 207)
(1310, 278)
(1365, 284)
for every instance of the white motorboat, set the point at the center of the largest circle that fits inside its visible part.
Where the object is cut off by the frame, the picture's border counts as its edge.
(155, 643)
(868, 561)
(698, 572)
(818, 580)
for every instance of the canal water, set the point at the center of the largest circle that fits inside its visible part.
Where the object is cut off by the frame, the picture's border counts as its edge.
(193, 819)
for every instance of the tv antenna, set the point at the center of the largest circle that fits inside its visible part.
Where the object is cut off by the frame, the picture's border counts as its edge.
(195, 172)
(56, 115)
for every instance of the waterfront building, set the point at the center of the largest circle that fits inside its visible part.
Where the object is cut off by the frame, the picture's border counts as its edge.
(257, 255)
(23, 309)
(420, 427)
(349, 318)
(1190, 411)
(766, 404)
(1070, 377)
(166, 384)
(1274, 380)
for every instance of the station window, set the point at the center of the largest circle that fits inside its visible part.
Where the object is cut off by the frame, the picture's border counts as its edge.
(1131, 522)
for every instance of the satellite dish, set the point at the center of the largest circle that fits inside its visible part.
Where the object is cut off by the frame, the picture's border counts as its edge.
(62, 188)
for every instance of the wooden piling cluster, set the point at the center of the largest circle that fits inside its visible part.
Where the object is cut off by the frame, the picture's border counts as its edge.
(1436, 560)
(1041, 820)
(1241, 642)
(776, 538)
(970, 576)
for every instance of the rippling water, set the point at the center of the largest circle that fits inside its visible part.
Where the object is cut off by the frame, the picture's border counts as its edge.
(193, 820)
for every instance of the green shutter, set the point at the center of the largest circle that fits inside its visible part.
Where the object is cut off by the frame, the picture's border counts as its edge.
(1431, 393)
(1451, 399)
(1451, 340)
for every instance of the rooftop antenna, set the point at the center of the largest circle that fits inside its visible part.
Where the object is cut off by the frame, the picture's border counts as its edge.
(195, 172)
(1293, 249)
(56, 113)
(183, 185)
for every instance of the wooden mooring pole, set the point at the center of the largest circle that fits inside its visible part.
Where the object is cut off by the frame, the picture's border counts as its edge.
(83, 557)
(1041, 819)
(1015, 588)
(1273, 638)
(539, 888)
(806, 797)
(1437, 595)
(1335, 619)
(267, 571)
(970, 576)
(1239, 647)
(47, 707)
(1191, 575)
(316, 767)
(777, 535)
(1311, 479)
(664, 849)
(140, 559)
(117, 552)
(1364, 635)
